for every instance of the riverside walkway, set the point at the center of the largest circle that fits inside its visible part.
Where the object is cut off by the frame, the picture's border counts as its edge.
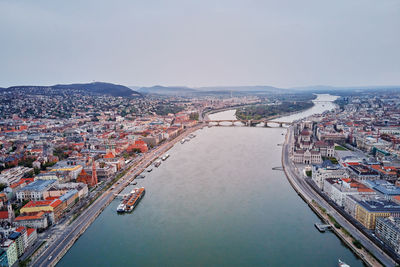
(311, 197)
(57, 248)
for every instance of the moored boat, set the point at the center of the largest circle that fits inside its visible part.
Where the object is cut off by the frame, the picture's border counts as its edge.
(157, 163)
(140, 176)
(342, 264)
(165, 157)
(134, 198)
(121, 207)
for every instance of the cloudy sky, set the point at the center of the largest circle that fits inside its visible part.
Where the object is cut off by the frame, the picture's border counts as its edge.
(199, 43)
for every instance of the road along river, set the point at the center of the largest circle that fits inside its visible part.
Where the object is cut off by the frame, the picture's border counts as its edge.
(216, 201)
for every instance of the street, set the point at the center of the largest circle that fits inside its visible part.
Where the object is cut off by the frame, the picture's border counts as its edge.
(309, 194)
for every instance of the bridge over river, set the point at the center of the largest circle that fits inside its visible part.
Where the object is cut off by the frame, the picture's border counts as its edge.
(250, 123)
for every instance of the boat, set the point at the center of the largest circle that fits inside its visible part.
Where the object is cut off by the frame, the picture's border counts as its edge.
(140, 176)
(133, 183)
(342, 264)
(134, 198)
(121, 207)
(187, 139)
(149, 169)
(182, 141)
(165, 157)
(131, 200)
(157, 163)
(192, 136)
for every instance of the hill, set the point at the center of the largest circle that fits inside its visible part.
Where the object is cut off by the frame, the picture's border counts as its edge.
(93, 88)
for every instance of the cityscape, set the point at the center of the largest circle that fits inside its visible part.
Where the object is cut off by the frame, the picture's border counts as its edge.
(281, 148)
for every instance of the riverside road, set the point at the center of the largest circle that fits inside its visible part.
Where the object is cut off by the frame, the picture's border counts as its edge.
(309, 194)
(56, 249)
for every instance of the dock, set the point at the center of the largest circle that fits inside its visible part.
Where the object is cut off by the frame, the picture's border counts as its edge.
(322, 227)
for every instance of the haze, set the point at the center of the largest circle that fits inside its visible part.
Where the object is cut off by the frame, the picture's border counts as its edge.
(200, 43)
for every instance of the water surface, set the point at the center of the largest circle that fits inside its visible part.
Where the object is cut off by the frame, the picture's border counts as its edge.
(215, 202)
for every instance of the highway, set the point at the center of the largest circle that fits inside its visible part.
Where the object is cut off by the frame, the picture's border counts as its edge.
(309, 194)
(62, 240)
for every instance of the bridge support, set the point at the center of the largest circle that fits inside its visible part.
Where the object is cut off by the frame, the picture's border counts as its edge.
(266, 124)
(281, 125)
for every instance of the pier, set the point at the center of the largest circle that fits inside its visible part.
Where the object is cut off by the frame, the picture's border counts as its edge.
(322, 227)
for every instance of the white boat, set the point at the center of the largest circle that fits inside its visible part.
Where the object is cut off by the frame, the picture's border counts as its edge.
(187, 139)
(165, 157)
(343, 264)
(121, 207)
(182, 141)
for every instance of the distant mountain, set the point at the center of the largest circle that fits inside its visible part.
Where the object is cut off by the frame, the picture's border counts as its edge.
(250, 88)
(95, 88)
(166, 90)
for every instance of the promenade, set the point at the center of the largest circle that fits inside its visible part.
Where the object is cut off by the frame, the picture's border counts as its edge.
(315, 201)
(56, 249)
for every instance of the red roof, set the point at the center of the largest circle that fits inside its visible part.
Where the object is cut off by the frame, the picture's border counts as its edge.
(109, 155)
(52, 203)
(30, 231)
(353, 163)
(20, 229)
(30, 216)
(3, 215)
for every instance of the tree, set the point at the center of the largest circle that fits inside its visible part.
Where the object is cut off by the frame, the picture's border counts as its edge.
(2, 186)
(36, 171)
(194, 116)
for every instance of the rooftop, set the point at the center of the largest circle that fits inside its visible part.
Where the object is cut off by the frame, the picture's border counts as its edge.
(38, 185)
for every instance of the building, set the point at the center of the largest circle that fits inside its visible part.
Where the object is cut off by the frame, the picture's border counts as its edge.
(13, 175)
(307, 156)
(19, 241)
(37, 220)
(90, 180)
(24, 235)
(388, 230)
(70, 198)
(368, 210)
(12, 253)
(339, 189)
(3, 258)
(8, 214)
(327, 170)
(54, 207)
(32, 236)
(387, 189)
(34, 191)
(362, 172)
(139, 145)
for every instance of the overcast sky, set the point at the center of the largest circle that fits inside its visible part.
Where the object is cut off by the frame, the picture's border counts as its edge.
(281, 43)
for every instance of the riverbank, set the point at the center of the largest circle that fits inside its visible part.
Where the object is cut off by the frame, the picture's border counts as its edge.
(311, 200)
(64, 240)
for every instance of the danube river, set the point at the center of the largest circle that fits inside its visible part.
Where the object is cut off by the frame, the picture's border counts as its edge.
(216, 201)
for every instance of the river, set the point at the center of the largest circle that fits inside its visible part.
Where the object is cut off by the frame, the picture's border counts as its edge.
(216, 201)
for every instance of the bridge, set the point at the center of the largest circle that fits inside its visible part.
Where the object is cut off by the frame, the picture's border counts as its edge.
(249, 123)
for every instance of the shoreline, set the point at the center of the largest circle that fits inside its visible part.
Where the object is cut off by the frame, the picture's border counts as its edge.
(365, 255)
(107, 196)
